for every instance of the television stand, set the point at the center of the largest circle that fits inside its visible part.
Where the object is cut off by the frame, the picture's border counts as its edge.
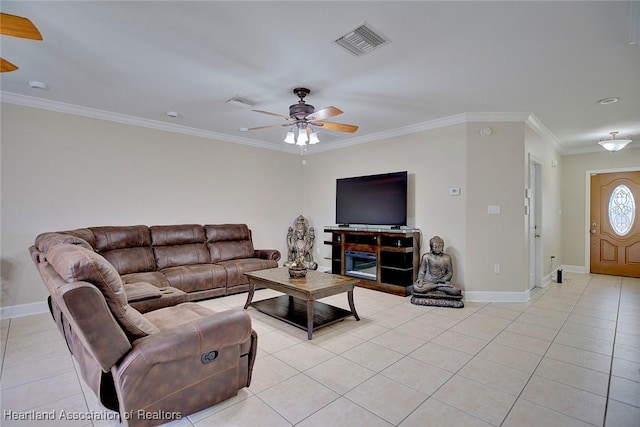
(397, 252)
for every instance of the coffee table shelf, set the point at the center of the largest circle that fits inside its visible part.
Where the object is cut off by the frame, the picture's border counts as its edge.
(294, 311)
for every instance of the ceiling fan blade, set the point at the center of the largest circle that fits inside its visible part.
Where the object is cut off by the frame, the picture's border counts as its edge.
(324, 113)
(272, 114)
(341, 127)
(6, 66)
(269, 126)
(17, 26)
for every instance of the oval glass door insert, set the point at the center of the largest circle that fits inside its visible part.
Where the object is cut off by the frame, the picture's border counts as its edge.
(622, 210)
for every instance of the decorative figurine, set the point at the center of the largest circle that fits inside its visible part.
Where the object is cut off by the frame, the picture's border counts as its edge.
(300, 240)
(434, 286)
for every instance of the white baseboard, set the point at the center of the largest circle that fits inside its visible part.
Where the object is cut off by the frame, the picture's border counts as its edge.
(575, 269)
(488, 296)
(23, 310)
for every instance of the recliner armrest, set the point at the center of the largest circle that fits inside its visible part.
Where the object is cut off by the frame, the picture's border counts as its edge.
(272, 254)
(198, 337)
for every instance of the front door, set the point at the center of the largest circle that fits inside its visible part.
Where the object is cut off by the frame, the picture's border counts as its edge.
(615, 224)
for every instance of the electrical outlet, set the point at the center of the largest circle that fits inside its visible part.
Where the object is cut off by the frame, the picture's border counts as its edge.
(496, 268)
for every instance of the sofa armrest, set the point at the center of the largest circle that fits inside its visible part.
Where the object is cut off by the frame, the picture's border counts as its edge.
(196, 338)
(92, 323)
(141, 291)
(272, 254)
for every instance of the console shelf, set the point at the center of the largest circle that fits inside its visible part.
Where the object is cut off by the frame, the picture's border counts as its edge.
(397, 253)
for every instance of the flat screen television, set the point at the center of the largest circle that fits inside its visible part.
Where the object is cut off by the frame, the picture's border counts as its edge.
(372, 200)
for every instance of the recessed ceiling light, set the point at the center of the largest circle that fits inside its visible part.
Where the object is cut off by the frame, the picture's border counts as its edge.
(38, 85)
(608, 101)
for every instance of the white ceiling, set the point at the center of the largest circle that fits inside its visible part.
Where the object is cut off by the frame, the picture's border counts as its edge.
(445, 61)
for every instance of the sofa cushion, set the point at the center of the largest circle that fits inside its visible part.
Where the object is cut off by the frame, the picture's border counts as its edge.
(46, 241)
(170, 317)
(177, 255)
(141, 291)
(229, 241)
(127, 248)
(199, 277)
(237, 268)
(182, 234)
(176, 245)
(118, 237)
(156, 278)
(131, 260)
(85, 234)
(75, 264)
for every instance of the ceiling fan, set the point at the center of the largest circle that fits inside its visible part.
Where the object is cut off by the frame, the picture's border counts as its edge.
(304, 117)
(16, 26)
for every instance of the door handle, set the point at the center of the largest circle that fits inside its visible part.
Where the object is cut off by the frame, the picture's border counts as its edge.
(536, 235)
(593, 228)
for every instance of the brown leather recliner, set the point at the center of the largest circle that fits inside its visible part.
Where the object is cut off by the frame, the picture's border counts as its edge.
(154, 367)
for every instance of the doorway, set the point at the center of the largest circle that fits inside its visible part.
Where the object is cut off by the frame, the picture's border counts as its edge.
(614, 223)
(534, 198)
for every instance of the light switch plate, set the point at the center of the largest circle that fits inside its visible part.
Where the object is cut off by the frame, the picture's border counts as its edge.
(493, 209)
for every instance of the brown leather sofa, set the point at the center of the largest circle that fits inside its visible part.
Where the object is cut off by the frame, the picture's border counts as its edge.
(164, 265)
(155, 367)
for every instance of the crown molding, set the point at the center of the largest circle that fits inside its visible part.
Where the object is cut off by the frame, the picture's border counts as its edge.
(530, 119)
(392, 133)
(61, 107)
(538, 127)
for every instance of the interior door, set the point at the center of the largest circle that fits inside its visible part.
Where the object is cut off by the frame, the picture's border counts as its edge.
(534, 199)
(615, 224)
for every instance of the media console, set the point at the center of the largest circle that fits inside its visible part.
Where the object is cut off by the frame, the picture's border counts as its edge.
(386, 260)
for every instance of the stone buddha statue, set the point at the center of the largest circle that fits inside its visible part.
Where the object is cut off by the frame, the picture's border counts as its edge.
(433, 286)
(300, 240)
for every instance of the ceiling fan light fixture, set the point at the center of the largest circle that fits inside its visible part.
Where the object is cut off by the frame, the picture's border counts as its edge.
(302, 137)
(291, 138)
(614, 144)
(313, 138)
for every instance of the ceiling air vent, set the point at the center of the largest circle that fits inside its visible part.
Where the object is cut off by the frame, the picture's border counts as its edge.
(243, 101)
(362, 40)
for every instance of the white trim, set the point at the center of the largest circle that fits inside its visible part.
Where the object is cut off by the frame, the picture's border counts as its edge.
(575, 269)
(548, 279)
(61, 107)
(23, 310)
(488, 296)
(406, 130)
(538, 127)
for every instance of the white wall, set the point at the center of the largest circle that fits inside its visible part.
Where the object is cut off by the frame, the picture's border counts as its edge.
(574, 177)
(551, 222)
(488, 171)
(62, 172)
(495, 167)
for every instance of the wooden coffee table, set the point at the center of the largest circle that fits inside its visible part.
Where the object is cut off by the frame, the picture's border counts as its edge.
(299, 307)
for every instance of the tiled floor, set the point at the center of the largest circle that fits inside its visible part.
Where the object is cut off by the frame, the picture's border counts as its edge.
(568, 357)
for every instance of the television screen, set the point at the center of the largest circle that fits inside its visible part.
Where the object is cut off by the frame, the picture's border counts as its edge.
(372, 199)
